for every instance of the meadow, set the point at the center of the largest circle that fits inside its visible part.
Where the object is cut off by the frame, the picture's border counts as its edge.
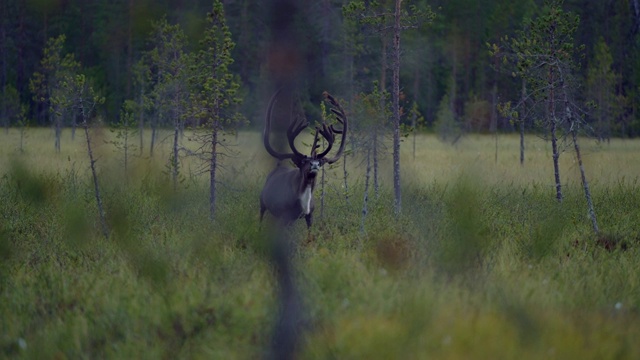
(483, 262)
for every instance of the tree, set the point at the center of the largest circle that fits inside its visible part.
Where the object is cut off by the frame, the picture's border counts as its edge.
(84, 99)
(369, 114)
(47, 87)
(10, 107)
(392, 23)
(545, 51)
(601, 90)
(214, 94)
(170, 63)
(124, 131)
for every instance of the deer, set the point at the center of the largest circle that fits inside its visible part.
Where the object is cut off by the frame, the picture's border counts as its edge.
(288, 192)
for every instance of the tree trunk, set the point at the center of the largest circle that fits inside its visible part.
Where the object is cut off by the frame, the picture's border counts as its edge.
(556, 157)
(554, 137)
(524, 110)
(414, 125)
(174, 160)
(376, 185)
(383, 105)
(141, 119)
(583, 177)
(92, 162)
(396, 110)
(58, 131)
(585, 184)
(322, 190)
(494, 115)
(154, 133)
(346, 182)
(212, 170)
(365, 201)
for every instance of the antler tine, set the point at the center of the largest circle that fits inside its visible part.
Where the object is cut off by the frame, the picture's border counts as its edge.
(267, 130)
(327, 133)
(315, 145)
(342, 118)
(294, 130)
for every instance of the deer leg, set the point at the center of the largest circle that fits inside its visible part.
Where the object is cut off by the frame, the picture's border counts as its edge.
(309, 220)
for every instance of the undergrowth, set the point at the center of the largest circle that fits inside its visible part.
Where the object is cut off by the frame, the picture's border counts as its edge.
(469, 270)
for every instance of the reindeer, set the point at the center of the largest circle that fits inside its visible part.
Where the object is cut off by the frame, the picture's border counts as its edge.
(288, 192)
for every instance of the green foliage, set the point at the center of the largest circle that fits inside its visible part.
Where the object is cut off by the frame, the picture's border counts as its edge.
(467, 262)
(446, 125)
(124, 130)
(546, 42)
(380, 14)
(601, 91)
(215, 87)
(10, 106)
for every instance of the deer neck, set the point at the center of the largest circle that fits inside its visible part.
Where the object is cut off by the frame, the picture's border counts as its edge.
(307, 184)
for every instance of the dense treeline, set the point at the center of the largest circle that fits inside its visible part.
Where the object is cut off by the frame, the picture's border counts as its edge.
(446, 64)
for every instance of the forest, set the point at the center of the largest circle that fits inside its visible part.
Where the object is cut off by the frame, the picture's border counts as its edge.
(457, 63)
(135, 173)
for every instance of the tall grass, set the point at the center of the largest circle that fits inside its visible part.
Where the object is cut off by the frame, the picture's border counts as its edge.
(483, 262)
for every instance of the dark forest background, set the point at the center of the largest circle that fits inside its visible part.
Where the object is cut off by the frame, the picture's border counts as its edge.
(446, 61)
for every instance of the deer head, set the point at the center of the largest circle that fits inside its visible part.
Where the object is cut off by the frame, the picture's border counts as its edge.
(288, 192)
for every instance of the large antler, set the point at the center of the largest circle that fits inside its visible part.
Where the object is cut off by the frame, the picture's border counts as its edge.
(294, 130)
(328, 131)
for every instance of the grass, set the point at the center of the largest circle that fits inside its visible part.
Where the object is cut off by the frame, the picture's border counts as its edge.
(483, 263)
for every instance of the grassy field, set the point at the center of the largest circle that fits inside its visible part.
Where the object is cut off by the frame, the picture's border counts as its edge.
(482, 264)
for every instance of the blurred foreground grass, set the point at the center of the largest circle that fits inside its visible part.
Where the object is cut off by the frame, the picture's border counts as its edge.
(482, 264)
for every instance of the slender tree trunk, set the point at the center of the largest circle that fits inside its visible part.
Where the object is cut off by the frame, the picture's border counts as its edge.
(126, 150)
(583, 177)
(73, 126)
(524, 110)
(383, 106)
(346, 182)
(554, 137)
(141, 119)
(154, 132)
(585, 184)
(396, 110)
(365, 202)
(213, 165)
(494, 115)
(322, 193)
(92, 162)
(58, 130)
(414, 119)
(376, 185)
(349, 61)
(174, 160)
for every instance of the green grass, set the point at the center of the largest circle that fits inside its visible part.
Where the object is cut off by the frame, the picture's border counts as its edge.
(482, 264)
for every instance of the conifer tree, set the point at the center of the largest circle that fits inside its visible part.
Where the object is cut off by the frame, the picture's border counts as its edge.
(390, 20)
(214, 94)
(545, 50)
(601, 84)
(170, 64)
(47, 87)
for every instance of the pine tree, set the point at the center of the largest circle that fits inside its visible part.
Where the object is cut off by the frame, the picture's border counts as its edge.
(214, 94)
(47, 87)
(170, 63)
(601, 83)
(545, 51)
(390, 20)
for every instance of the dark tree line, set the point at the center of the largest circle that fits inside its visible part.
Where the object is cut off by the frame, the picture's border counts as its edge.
(445, 64)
